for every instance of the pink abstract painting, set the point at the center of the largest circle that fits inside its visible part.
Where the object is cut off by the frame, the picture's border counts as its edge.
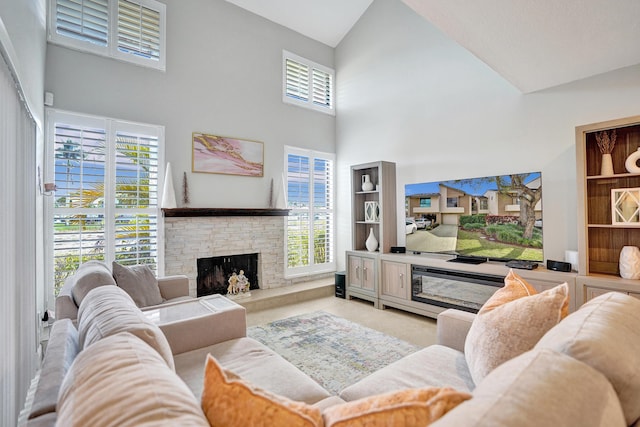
(219, 154)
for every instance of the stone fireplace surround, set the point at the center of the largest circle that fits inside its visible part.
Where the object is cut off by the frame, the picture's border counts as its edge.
(200, 233)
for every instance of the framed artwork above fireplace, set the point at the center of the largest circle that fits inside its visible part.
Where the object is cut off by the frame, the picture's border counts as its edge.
(225, 155)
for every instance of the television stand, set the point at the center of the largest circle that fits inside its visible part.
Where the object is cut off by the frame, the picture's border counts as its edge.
(468, 260)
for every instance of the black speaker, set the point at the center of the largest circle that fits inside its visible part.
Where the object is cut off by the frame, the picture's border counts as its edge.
(558, 266)
(340, 284)
(398, 249)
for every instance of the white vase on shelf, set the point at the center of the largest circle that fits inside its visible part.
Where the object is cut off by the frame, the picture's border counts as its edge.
(606, 169)
(371, 243)
(630, 262)
(631, 164)
(367, 185)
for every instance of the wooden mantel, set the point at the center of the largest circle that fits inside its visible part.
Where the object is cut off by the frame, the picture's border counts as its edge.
(193, 212)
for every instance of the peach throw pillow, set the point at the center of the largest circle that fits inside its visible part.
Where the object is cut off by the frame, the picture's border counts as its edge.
(228, 401)
(511, 322)
(411, 407)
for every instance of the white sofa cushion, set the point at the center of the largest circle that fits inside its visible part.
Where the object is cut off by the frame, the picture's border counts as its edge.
(88, 276)
(605, 334)
(121, 381)
(108, 310)
(539, 388)
(433, 366)
(254, 362)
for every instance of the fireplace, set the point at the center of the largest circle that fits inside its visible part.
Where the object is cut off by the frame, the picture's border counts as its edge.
(453, 289)
(223, 274)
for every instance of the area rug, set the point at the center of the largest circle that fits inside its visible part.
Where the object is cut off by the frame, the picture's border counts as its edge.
(335, 352)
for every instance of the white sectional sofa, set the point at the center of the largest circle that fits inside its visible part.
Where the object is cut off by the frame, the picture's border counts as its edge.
(583, 371)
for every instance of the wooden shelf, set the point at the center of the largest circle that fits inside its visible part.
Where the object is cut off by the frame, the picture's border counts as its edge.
(618, 175)
(613, 226)
(382, 174)
(599, 240)
(196, 212)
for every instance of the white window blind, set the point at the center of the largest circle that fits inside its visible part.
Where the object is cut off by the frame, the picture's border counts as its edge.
(297, 80)
(322, 88)
(105, 205)
(138, 30)
(85, 20)
(307, 84)
(310, 224)
(130, 30)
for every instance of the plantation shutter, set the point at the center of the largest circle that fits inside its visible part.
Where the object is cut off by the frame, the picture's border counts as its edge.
(136, 199)
(322, 211)
(297, 80)
(105, 206)
(138, 30)
(310, 224)
(322, 88)
(78, 213)
(307, 84)
(85, 20)
(298, 223)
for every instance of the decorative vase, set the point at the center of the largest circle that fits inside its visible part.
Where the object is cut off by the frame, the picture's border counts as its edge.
(606, 169)
(630, 262)
(372, 242)
(631, 164)
(168, 193)
(367, 185)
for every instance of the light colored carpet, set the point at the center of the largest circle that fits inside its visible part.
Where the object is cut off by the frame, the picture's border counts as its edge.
(335, 352)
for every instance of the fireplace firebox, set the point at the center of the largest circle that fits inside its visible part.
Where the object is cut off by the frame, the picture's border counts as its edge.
(214, 272)
(453, 289)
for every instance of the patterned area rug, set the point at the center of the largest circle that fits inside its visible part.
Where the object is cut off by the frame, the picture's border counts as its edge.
(335, 352)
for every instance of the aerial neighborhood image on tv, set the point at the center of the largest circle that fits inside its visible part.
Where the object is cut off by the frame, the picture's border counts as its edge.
(496, 218)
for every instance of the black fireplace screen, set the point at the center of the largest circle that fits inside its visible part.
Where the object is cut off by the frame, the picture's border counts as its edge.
(221, 274)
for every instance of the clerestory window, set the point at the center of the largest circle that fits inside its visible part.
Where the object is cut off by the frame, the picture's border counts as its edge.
(129, 30)
(307, 84)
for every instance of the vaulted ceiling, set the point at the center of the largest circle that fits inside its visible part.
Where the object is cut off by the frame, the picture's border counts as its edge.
(532, 44)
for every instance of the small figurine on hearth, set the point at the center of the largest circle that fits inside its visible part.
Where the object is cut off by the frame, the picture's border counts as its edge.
(232, 289)
(243, 282)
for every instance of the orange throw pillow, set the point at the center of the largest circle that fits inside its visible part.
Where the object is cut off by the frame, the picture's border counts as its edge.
(228, 401)
(419, 407)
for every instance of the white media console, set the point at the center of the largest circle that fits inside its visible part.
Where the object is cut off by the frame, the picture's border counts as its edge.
(387, 280)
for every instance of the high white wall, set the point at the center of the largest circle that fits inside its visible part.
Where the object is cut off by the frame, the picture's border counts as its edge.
(224, 77)
(408, 94)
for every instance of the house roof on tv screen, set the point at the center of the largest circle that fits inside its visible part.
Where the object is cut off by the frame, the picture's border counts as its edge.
(474, 186)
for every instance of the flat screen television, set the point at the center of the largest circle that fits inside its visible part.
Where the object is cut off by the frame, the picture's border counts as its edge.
(492, 218)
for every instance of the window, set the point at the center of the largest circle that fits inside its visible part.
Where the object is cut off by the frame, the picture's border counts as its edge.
(307, 84)
(105, 206)
(425, 202)
(484, 204)
(452, 202)
(310, 224)
(130, 30)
